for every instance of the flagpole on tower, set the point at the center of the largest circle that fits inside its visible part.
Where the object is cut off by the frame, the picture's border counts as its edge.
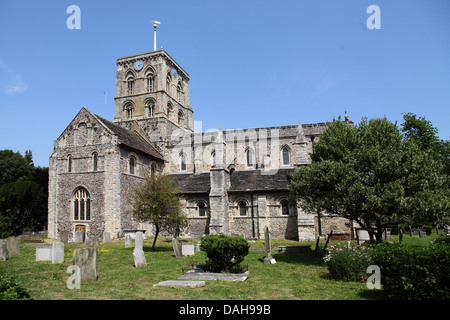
(155, 25)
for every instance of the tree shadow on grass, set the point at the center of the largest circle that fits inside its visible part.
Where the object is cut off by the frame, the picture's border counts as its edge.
(300, 258)
(157, 249)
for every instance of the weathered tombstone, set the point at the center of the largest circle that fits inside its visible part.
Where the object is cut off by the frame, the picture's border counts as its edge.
(176, 248)
(106, 237)
(88, 241)
(138, 252)
(3, 250)
(187, 249)
(44, 253)
(78, 236)
(128, 241)
(197, 246)
(96, 241)
(268, 246)
(13, 247)
(64, 236)
(86, 260)
(58, 252)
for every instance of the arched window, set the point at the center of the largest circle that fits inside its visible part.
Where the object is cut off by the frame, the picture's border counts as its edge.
(286, 156)
(242, 208)
(132, 165)
(94, 161)
(150, 77)
(150, 107)
(130, 83)
(285, 207)
(81, 205)
(69, 163)
(250, 157)
(153, 169)
(183, 162)
(213, 158)
(168, 82)
(179, 92)
(180, 117)
(201, 209)
(128, 110)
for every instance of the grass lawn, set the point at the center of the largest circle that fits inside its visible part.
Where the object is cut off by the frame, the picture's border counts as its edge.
(293, 277)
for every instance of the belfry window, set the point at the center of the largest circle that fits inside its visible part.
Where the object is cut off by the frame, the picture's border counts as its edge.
(81, 205)
(150, 107)
(128, 111)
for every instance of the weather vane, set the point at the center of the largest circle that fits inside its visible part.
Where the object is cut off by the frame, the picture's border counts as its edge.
(155, 25)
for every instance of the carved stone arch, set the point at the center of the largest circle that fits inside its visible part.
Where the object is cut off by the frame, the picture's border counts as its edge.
(150, 107)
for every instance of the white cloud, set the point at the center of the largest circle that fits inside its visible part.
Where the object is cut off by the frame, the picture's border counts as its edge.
(10, 82)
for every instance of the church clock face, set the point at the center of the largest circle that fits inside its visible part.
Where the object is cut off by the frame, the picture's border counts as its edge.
(138, 65)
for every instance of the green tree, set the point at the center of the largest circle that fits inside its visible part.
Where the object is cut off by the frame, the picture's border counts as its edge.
(371, 175)
(156, 200)
(20, 207)
(15, 167)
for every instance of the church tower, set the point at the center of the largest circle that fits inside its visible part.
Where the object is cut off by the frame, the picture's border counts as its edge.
(152, 89)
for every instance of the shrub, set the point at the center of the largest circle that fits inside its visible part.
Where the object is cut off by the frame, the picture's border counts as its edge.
(224, 253)
(10, 289)
(409, 272)
(349, 263)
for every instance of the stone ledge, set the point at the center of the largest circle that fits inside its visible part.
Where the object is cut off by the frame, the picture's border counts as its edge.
(215, 276)
(180, 284)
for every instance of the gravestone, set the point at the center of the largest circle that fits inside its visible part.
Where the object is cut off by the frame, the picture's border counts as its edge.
(187, 249)
(88, 241)
(13, 247)
(128, 241)
(3, 250)
(96, 241)
(78, 236)
(197, 246)
(58, 252)
(268, 247)
(106, 237)
(176, 248)
(44, 253)
(138, 252)
(64, 236)
(86, 260)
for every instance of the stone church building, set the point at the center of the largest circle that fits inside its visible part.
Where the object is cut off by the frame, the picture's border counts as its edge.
(233, 182)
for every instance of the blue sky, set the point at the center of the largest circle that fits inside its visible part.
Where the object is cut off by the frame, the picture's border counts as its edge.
(252, 63)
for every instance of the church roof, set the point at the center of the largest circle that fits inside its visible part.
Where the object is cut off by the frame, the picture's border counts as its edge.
(131, 139)
(192, 183)
(254, 180)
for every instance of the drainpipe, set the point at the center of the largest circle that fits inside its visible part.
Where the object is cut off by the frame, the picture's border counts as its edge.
(253, 215)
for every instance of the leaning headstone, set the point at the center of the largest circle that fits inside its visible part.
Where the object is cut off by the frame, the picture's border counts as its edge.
(106, 237)
(176, 248)
(58, 252)
(3, 250)
(78, 236)
(268, 247)
(138, 252)
(44, 253)
(64, 236)
(128, 241)
(187, 249)
(86, 260)
(13, 247)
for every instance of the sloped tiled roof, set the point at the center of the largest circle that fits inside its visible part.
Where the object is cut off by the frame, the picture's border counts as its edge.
(192, 183)
(131, 139)
(253, 180)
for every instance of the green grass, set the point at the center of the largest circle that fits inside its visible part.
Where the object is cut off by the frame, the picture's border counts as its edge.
(293, 277)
